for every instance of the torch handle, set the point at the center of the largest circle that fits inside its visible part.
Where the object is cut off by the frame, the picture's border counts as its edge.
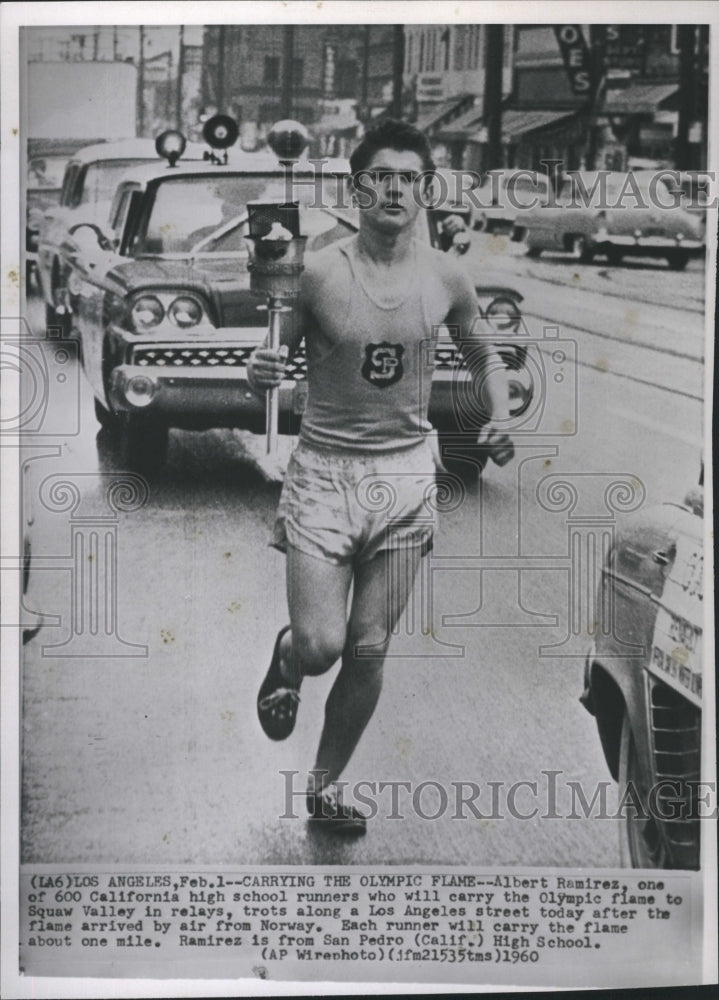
(274, 311)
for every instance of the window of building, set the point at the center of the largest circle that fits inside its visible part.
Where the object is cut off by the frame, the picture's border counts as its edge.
(508, 45)
(272, 70)
(421, 52)
(298, 71)
(446, 40)
(459, 50)
(346, 78)
(674, 40)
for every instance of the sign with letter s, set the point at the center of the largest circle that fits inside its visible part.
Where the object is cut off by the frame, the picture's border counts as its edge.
(575, 54)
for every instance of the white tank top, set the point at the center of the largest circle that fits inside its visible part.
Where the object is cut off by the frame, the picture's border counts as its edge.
(368, 389)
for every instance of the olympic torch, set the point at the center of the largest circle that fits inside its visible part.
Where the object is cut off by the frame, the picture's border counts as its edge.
(276, 253)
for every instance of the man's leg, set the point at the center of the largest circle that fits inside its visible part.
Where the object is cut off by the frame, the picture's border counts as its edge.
(317, 593)
(381, 591)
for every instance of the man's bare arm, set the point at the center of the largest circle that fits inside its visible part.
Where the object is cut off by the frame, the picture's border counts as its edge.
(488, 370)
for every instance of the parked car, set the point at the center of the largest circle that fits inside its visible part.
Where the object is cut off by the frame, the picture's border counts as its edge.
(598, 213)
(46, 163)
(160, 296)
(643, 680)
(505, 195)
(88, 185)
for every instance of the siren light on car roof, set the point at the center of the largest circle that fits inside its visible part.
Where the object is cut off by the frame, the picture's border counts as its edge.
(171, 145)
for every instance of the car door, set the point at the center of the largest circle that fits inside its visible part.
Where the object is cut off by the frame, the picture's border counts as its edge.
(89, 286)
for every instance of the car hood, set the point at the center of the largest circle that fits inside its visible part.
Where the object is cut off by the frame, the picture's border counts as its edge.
(223, 281)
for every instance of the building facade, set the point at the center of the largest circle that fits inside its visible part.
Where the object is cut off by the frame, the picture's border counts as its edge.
(445, 73)
(644, 80)
(331, 77)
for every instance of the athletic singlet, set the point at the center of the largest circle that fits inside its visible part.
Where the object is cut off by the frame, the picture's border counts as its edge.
(368, 389)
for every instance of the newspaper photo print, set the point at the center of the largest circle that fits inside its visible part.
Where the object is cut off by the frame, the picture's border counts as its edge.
(356, 584)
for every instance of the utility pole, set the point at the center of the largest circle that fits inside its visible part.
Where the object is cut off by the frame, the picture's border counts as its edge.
(180, 74)
(397, 69)
(141, 85)
(364, 103)
(597, 63)
(492, 110)
(221, 70)
(288, 51)
(687, 94)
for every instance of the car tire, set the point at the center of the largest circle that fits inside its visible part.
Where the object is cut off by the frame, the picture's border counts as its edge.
(481, 223)
(582, 250)
(518, 235)
(143, 443)
(534, 252)
(464, 460)
(678, 260)
(641, 842)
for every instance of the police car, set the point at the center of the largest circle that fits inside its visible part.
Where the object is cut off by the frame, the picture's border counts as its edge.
(160, 297)
(84, 195)
(643, 680)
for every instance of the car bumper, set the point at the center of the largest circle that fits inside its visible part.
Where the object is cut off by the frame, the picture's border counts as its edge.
(201, 383)
(649, 244)
(207, 398)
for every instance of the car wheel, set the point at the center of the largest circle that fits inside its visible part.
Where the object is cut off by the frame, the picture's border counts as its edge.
(534, 251)
(614, 256)
(519, 233)
(143, 443)
(464, 459)
(581, 249)
(641, 843)
(678, 260)
(481, 223)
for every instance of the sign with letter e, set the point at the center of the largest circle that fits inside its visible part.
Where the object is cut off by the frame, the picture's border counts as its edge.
(576, 57)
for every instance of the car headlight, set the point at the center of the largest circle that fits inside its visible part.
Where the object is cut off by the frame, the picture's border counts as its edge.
(139, 390)
(147, 312)
(185, 312)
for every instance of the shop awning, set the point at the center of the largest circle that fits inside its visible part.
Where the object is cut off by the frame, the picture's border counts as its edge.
(515, 124)
(458, 128)
(439, 113)
(639, 98)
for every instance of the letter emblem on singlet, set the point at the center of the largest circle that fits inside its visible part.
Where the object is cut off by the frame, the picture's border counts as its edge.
(383, 364)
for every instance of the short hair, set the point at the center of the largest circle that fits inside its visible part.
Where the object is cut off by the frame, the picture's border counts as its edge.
(391, 133)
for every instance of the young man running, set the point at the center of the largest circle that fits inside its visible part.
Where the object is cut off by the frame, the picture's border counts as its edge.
(353, 513)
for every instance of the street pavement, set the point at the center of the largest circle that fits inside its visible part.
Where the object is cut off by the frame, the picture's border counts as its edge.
(156, 756)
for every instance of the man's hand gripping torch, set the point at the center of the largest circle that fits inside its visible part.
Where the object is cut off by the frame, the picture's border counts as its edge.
(276, 254)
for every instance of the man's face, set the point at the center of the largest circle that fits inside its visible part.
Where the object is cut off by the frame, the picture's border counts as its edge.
(388, 191)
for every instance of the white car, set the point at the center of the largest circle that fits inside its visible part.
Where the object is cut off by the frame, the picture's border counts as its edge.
(504, 195)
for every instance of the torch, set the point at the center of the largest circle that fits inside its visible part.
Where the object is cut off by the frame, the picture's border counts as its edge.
(276, 252)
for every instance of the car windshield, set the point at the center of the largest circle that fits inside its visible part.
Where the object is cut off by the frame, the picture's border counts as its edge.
(46, 171)
(102, 178)
(208, 214)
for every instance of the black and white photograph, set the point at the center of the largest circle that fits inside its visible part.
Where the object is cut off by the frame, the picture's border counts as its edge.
(355, 450)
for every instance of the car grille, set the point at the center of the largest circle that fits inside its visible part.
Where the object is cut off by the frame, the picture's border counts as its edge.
(676, 747)
(195, 356)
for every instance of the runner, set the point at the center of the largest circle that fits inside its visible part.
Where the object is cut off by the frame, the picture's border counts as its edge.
(353, 514)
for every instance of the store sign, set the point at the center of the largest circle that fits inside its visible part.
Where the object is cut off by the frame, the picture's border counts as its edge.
(576, 57)
(431, 87)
